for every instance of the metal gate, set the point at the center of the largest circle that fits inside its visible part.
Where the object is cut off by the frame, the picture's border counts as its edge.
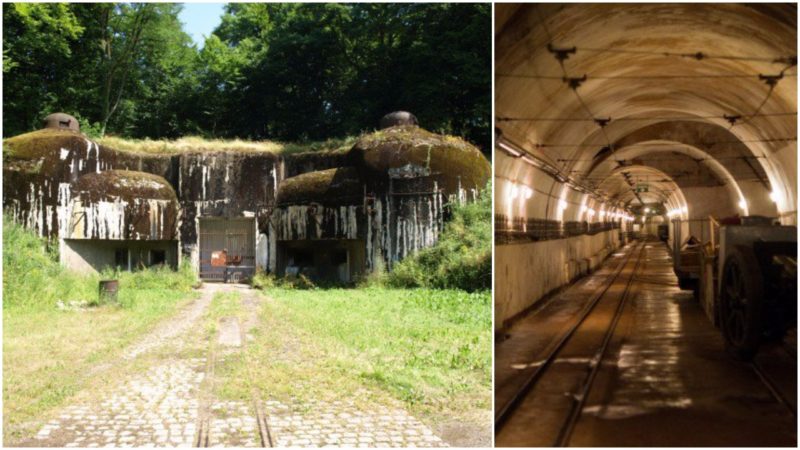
(227, 249)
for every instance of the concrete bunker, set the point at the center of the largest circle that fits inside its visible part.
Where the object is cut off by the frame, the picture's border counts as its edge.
(119, 219)
(236, 208)
(318, 234)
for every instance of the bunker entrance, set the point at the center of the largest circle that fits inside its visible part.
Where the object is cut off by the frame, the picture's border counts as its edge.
(227, 249)
(326, 261)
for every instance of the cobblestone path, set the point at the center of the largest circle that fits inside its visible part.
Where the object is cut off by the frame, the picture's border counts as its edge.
(170, 403)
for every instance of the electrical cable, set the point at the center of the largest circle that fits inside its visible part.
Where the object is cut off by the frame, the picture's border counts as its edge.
(640, 77)
(630, 119)
(655, 144)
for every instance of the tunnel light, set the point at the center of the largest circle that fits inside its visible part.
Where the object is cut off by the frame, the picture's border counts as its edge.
(509, 150)
(773, 196)
(742, 204)
(602, 213)
(528, 192)
(562, 204)
(647, 210)
(513, 192)
(685, 209)
(591, 212)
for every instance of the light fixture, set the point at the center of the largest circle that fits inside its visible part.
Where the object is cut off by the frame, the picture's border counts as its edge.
(742, 204)
(509, 150)
(513, 192)
(773, 196)
(685, 209)
(647, 210)
(528, 192)
(562, 204)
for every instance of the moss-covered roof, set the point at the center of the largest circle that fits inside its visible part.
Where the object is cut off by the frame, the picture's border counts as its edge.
(399, 146)
(340, 186)
(125, 184)
(41, 143)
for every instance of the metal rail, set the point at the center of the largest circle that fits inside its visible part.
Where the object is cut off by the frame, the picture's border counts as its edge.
(506, 411)
(773, 388)
(205, 415)
(579, 399)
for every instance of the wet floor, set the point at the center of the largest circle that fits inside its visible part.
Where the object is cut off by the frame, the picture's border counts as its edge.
(665, 381)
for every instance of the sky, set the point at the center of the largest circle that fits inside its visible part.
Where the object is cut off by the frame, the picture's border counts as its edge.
(200, 19)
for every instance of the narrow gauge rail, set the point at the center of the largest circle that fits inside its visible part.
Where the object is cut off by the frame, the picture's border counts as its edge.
(579, 339)
(773, 388)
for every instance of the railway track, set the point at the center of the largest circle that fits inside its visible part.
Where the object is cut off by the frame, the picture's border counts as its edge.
(546, 408)
(203, 437)
(773, 388)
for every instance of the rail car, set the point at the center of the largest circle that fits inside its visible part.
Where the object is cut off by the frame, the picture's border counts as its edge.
(743, 271)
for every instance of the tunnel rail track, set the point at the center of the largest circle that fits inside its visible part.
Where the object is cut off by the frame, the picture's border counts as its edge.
(552, 354)
(773, 388)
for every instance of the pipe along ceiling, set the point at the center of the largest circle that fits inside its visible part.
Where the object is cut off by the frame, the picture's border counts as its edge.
(686, 108)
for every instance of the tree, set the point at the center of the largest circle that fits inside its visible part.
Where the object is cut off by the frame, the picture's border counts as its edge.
(269, 71)
(37, 40)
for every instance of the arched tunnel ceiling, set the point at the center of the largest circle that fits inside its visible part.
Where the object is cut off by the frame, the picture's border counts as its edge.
(666, 111)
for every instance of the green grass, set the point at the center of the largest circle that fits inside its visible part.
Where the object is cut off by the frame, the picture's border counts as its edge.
(48, 352)
(429, 349)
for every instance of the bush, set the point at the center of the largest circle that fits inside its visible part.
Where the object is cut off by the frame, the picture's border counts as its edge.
(263, 280)
(461, 259)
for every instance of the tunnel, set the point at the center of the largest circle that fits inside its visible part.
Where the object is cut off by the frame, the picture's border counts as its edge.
(645, 224)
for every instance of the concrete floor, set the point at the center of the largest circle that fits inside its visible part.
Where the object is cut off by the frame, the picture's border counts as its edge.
(665, 381)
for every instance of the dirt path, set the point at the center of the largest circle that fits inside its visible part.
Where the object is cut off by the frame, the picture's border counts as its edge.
(164, 397)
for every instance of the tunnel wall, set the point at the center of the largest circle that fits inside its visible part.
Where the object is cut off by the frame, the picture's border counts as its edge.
(705, 201)
(523, 277)
(786, 159)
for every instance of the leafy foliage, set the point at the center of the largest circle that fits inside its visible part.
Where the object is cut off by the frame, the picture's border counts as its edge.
(269, 71)
(462, 258)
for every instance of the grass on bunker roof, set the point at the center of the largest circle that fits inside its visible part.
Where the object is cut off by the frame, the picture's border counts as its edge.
(48, 352)
(200, 144)
(426, 350)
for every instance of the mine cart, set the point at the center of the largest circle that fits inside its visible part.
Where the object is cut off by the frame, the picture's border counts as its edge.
(686, 239)
(744, 274)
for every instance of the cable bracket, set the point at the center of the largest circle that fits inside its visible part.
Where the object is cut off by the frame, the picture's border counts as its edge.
(602, 122)
(790, 61)
(771, 80)
(573, 82)
(561, 54)
(732, 119)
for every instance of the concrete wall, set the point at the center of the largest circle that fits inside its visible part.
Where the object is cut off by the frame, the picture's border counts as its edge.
(92, 255)
(523, 277)
(715, 201)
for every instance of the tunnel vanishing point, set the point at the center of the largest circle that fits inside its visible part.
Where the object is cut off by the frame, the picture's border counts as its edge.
(330, 215)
